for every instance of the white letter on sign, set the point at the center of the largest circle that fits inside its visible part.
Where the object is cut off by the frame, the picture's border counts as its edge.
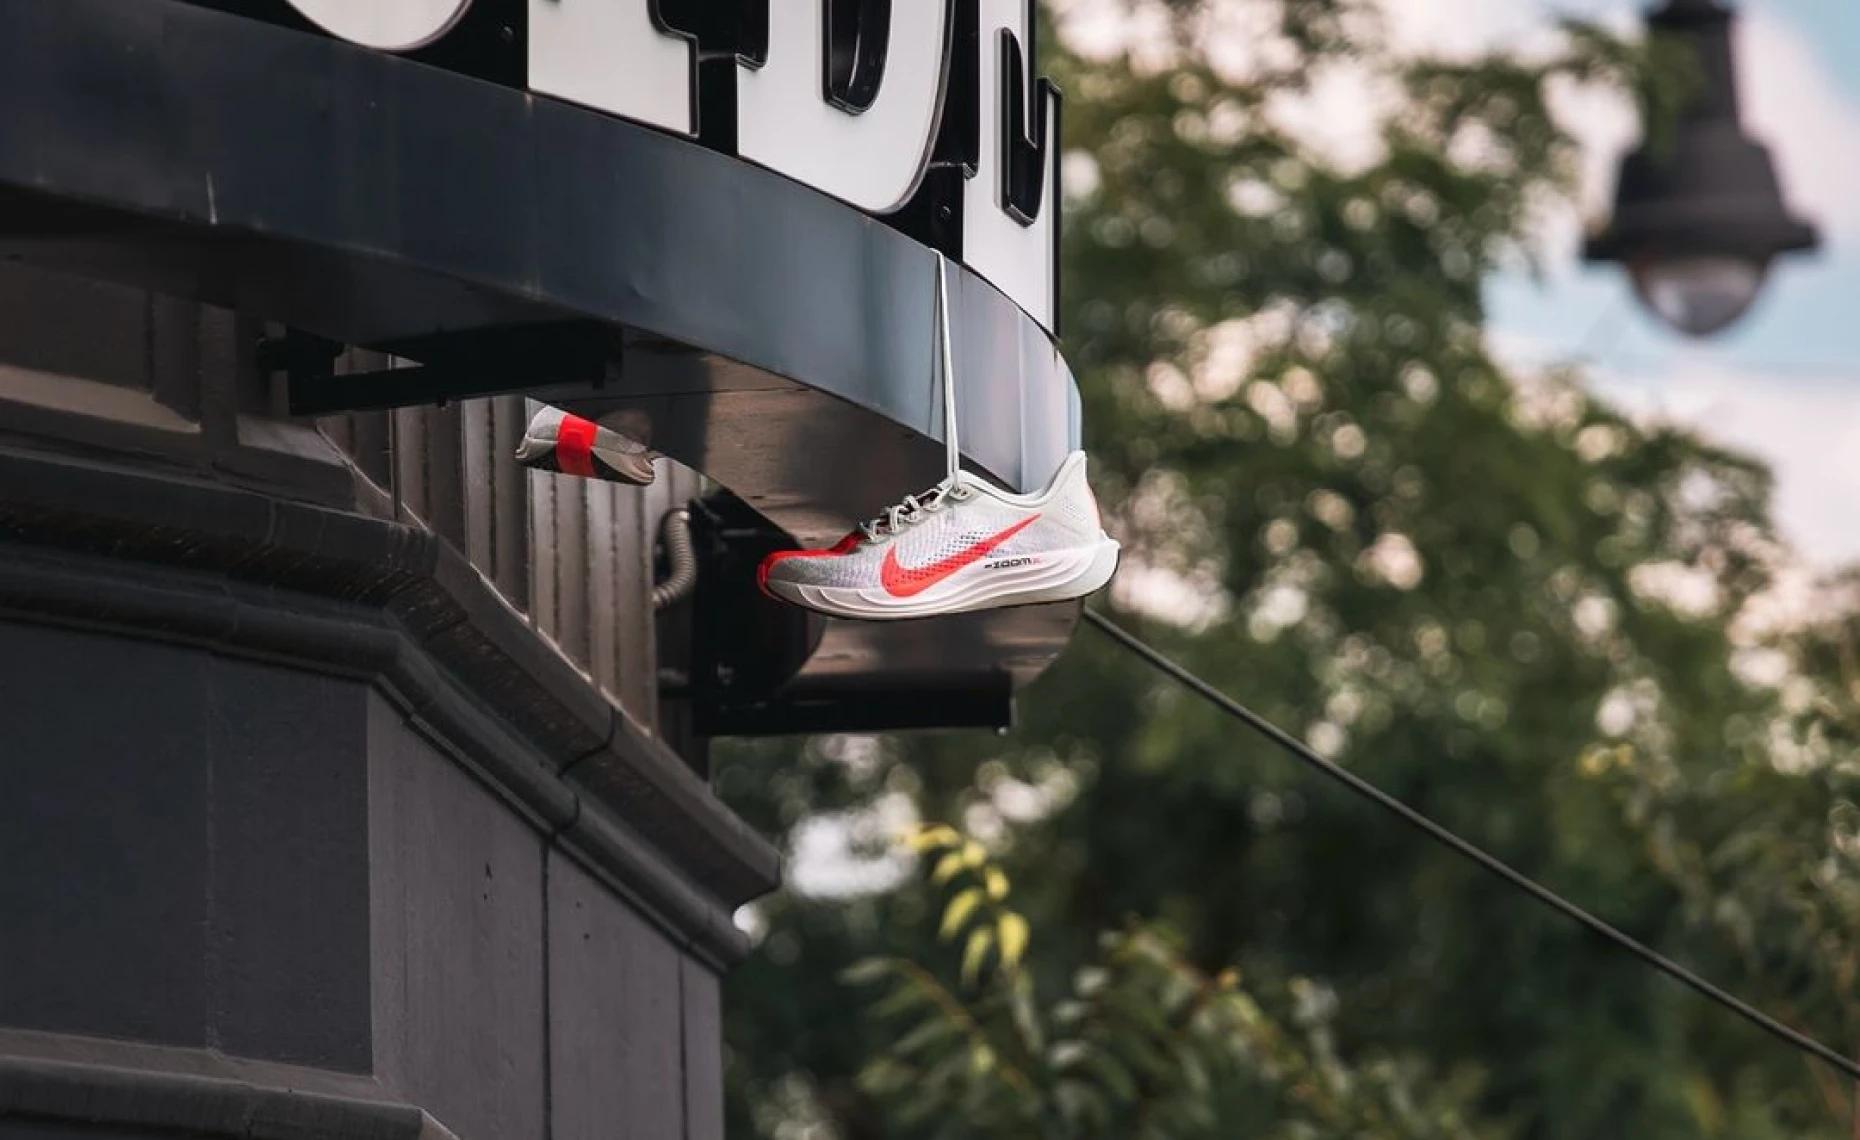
(862, 128)
(1011, 206)
(389, 25)
(615, 56)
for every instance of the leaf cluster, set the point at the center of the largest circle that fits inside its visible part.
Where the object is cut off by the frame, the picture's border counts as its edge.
(1141, 1044)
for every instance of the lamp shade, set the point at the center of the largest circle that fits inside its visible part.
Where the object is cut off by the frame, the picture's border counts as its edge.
(1698, 217)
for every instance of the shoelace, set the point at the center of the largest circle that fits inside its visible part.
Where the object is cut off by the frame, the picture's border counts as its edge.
(915, 508)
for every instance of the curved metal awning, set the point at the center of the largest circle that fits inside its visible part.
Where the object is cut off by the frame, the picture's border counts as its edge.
(776, 339)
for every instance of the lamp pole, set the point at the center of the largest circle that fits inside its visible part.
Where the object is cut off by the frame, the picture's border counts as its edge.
(1699, 217)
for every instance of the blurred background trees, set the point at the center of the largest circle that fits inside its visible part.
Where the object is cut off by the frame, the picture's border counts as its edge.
(1484, 590)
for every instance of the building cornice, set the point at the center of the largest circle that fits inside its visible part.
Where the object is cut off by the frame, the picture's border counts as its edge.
(166, 557)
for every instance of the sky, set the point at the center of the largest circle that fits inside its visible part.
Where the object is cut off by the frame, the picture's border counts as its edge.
(1784, 383)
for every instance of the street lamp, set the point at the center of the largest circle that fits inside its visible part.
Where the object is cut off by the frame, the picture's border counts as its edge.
(1699, 217)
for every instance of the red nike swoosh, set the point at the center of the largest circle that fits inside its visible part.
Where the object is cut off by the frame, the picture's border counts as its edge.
(902, 583)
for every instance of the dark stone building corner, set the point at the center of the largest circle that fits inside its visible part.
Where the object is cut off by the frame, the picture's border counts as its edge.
(335, 806)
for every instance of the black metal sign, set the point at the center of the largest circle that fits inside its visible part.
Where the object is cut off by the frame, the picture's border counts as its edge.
(925, 114)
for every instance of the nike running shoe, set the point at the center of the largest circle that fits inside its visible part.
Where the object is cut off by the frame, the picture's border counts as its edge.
(571, 445)
(963, 545)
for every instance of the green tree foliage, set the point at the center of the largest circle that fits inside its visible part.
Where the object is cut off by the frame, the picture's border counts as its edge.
(1764, 849)
(1488, 592)
(1142, 1044)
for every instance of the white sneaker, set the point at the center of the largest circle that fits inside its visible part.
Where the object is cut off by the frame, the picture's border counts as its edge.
(555, 440)
(963, 545)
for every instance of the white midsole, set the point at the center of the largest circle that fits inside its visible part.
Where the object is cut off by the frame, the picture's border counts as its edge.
(1050, 576)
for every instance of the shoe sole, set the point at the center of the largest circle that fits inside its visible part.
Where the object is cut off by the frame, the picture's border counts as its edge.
(1058, 577)
(538, 453)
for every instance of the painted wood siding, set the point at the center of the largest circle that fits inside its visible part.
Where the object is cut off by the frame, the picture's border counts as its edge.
(575, 556)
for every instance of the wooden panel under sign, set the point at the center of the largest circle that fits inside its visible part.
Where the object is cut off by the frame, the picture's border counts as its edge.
(477, 465)
(510, 561)
(407, 442)
(576, 555)
(570, 565)
(637, 689)
(606, 547)
(541, 546)
(445, 473)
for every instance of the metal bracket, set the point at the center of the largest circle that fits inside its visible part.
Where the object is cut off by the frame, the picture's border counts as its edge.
(747, 649)
(561, 359)
(745, 645)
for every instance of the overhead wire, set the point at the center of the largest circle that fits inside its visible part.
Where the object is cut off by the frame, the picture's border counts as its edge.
(1456, 843)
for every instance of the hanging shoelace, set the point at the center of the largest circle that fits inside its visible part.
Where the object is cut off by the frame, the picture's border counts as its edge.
(915, 508)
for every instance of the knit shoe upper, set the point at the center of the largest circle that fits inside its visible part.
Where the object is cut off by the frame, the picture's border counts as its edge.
(964, 545)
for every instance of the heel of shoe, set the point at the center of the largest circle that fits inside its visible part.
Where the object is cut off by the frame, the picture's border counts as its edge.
(1103, 567)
